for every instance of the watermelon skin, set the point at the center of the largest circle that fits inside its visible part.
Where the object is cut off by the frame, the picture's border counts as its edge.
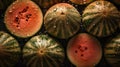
(43, 51)
(9, 50)
(46, 3)
(81, 2)
(23, 18)
(83, 50)
(116, 2)
(5, 3)
(112, 51)
(62, 20)
(101, 18)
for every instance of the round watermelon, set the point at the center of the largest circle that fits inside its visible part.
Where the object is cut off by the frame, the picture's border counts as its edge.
(46, 3)
(81, 2)
(62, 20)
(5, 3)
(23, 18)
(84, 50)
(101, 18)
(43, 51)
(112, 51)
(9, 50)
(116, 2)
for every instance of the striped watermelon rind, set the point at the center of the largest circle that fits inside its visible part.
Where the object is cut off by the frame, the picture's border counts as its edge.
(43, 51)
(81, 2)
(101, 18)
(62, 20)
(112, 51)
(9, 50)
(46, 3)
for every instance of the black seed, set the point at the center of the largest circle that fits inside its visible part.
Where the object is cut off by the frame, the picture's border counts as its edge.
(76, 51)
(82, 55)
(79, 47)
(16, 19)
(86, 48)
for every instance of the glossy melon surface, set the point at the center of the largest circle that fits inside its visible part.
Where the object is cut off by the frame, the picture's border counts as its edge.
(46, 3)
(62, 20)
(9, 50)
(43, 51)
(81, 2)
(101, 18)
(23, 18)
(84, 50)
(112, 51)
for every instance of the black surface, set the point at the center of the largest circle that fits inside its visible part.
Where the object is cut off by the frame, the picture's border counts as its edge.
(64, 42)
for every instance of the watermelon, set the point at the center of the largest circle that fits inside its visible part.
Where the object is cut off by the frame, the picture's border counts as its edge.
(81, 2)
(5, 3)
(46, 3)
(83, 50)
(112, 51)
(9, 50)
(62, 20)
(116, 2)
(100, 18)
(23, 18)
(43, 51)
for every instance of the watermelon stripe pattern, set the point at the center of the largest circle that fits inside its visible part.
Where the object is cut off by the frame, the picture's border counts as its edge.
(46, 3)
(112, 51)
(9, 50)
(43, 51)
(81, 2)
(62, 20)
(101, 18)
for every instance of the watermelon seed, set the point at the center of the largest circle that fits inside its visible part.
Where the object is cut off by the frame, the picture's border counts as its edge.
(25, 9)
(76, 51)
(82, 55)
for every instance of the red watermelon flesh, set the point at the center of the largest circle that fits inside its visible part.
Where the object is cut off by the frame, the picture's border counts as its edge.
(84, 51)
(23, 18)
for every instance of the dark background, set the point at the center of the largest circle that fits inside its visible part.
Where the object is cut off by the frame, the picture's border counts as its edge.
(80, 8)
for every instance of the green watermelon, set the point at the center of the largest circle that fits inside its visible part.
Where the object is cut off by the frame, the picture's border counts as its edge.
(5, 3)
(23, 18)
(101, 18)
(43, 51)
(9, 50)
(46, 3)
(62, 20)
(116, 2)
(81, 2)
(83, 50)
(112, 51)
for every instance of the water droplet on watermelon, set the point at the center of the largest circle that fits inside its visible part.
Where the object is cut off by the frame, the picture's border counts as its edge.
(76, 5)
(55, 10)
(97, 3)
(28, 34)
(13, 3)
(54, 26)
(10, 11)
(18, 27)
(50, 19)
(67, 23)
(13, 7)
